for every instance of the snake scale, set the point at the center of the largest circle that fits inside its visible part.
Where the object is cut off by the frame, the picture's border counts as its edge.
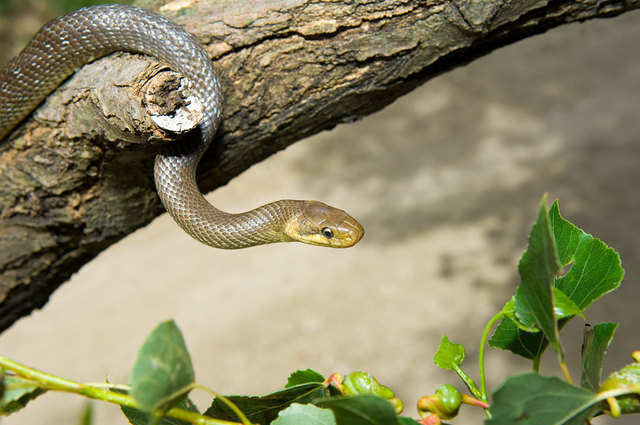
(81, 36)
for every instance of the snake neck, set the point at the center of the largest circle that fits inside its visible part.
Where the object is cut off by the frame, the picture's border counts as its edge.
(178, 191)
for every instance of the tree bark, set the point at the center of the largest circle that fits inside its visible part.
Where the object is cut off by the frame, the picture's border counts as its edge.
(73, 182)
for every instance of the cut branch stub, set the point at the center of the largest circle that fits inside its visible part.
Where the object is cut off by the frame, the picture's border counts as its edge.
(65, 178)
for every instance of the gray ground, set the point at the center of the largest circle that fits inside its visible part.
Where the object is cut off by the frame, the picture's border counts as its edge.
(446, 181)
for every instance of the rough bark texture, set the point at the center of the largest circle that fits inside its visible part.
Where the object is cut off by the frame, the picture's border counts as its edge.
(73, 181)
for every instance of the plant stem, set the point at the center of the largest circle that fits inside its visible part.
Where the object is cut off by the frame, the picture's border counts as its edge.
(565, 371)
(483, 343)
(467, 381)
(228, 402)
(55, 383)
(536, 363)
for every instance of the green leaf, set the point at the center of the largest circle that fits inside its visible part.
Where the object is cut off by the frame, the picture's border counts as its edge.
(526, 341)
(538, 268)
(594, 347)
(17, 393)
(626, 380)
(449, 355)
(361, 410)
(509, 310)
(304, 377)
(306, 414)
(162, 374)
(138, 417)
(265, 409)
(508, 336)
(515, 336)
(533, 399)
(564, 306)
(596, 268)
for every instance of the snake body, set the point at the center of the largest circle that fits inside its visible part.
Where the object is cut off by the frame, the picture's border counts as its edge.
(79, 37)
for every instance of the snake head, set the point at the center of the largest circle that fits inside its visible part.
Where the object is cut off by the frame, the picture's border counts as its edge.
(324, 225)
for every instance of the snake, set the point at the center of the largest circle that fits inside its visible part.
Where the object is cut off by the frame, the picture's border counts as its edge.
(84, 35)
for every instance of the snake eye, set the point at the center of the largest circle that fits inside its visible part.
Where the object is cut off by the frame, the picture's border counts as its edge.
(327, 233)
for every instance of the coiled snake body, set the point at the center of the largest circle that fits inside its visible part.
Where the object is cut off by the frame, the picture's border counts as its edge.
(84, 35)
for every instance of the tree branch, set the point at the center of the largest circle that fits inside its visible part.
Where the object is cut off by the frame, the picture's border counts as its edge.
(72, 183)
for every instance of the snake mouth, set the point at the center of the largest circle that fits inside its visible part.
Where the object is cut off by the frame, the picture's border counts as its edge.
(320, 240)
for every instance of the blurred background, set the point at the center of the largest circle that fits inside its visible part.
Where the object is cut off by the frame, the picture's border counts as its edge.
(446, 181)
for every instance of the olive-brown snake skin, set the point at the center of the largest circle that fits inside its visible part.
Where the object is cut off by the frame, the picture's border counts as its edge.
(78, 37)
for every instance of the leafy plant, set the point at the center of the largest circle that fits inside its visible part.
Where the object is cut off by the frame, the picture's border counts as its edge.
(562, 272)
